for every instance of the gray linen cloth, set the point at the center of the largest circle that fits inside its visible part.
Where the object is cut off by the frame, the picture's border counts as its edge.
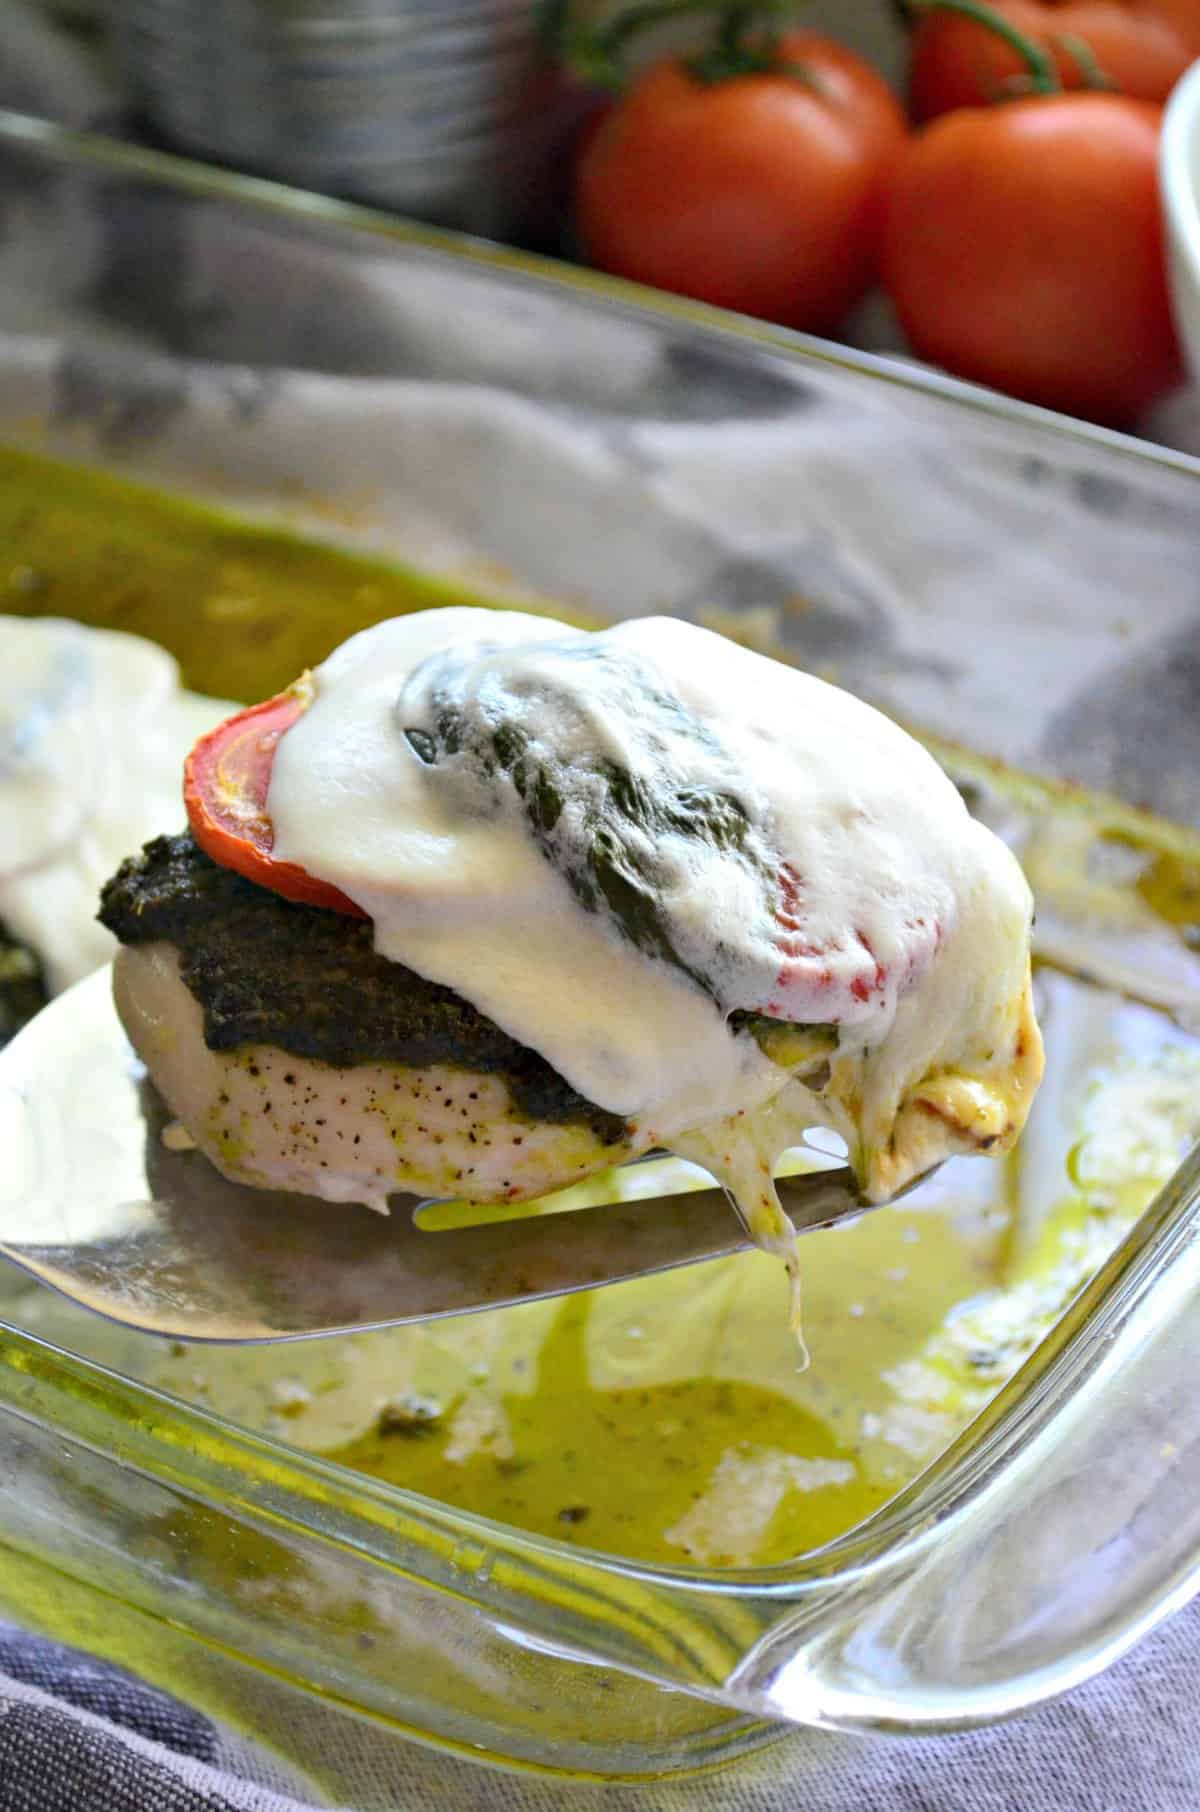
(77, 1736)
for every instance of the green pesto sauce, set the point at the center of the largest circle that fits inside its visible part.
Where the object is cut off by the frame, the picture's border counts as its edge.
(22, 985)
(663, 1419)
(244, 608)
(667, 1420)
(1170, 886)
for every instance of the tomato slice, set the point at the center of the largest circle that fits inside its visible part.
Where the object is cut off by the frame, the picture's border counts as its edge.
(225, 782)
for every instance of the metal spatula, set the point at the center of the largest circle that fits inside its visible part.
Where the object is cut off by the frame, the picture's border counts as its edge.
(94, 1204)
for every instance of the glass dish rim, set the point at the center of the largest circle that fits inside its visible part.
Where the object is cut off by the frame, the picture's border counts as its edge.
(99, 153)
(1046, 1379)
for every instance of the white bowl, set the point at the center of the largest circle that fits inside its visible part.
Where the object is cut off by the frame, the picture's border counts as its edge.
(1179, 171)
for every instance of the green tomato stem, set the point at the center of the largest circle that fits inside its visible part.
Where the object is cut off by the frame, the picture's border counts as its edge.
(1084, 58)
(597, 52)
(1042, 73)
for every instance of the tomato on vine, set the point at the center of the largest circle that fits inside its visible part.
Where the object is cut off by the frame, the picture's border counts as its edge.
(751, 176)
(957, 57)
(1024, 249)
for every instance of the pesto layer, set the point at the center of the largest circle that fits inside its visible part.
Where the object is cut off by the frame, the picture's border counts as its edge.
(22, 984)
(269, 971)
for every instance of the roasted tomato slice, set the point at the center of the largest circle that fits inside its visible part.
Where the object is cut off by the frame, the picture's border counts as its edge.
(225, 782)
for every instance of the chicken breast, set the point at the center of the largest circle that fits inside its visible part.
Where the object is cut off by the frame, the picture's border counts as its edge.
(356, 1134)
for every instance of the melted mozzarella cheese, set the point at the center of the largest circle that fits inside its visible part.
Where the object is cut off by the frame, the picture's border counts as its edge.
(788, 852)
(93, 732)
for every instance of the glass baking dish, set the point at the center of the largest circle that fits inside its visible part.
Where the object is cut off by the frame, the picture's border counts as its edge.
(1013, 583)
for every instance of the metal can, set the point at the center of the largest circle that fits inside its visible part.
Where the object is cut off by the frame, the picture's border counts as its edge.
(424, 106)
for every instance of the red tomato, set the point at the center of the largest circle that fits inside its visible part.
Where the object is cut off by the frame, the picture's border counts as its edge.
(1141, 46)
(225, 781)
(759, 192)
(1024, 249)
